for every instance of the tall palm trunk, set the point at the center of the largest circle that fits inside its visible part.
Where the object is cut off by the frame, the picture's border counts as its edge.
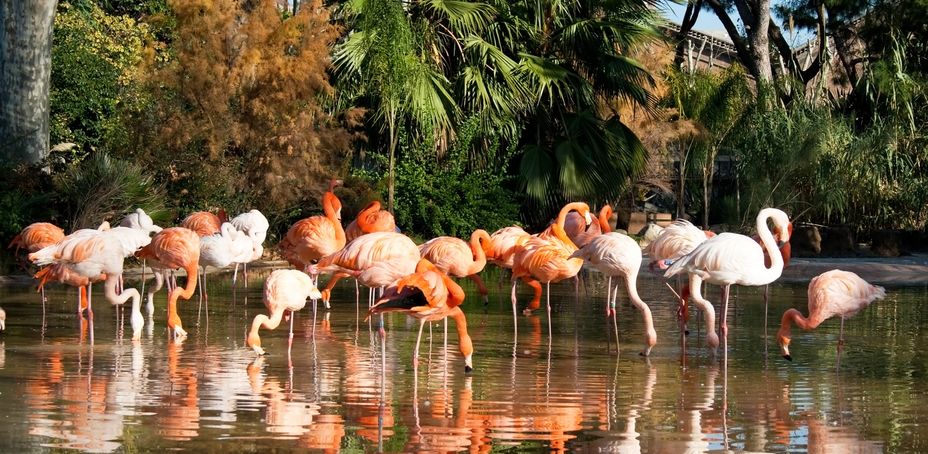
(25, 76)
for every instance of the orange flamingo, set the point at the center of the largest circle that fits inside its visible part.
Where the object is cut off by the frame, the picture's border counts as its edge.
(615, 254)
(546, 258)
(729, 258)
(172, 248)
(204, 223)
(834, 293)
(457, 258)
(312, 238)
(370, 219)
(284, 290)
(581, 234)
(37, 236)
(428, 295)
(376, 260)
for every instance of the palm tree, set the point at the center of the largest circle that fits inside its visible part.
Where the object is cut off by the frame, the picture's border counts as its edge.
(535, 73)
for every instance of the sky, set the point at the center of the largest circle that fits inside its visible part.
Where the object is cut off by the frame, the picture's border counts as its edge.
(709, 22)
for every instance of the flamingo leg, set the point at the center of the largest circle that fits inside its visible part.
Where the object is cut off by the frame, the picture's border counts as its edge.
(245, 272)
(235, 275)
(290, 339)
(609, 296)
(841, 335)
(725, 291)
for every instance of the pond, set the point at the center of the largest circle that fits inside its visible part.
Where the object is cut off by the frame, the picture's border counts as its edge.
(569, 391)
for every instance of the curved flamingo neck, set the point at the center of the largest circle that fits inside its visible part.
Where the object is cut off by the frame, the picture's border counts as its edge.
(791, 317)
(604, 214)
(329, 200)
(465, 344)
(578, 206)
(770, 245)
(561, 235)
(650, 333)
(455, 292)
(480, 256)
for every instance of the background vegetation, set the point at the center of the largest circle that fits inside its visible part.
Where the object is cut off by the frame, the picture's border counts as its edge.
(466, 114)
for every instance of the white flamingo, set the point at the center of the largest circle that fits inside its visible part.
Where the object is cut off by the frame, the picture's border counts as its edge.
(730, 258)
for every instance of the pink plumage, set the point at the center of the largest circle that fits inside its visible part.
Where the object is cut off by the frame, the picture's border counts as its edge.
(834, 293)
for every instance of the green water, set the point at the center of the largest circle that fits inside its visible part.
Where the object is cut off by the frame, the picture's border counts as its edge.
(570, 391)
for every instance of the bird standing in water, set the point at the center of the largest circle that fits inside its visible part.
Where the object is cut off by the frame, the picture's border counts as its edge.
(834, 293)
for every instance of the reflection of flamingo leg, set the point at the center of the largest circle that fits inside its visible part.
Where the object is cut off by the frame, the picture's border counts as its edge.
(415, 357)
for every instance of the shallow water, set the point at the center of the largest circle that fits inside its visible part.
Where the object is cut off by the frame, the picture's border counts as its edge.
(570, 391)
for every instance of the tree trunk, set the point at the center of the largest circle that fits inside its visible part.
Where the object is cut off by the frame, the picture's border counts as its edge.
(760, 40)
(25, 77)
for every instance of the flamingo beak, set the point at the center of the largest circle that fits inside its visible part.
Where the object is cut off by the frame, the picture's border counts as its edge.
(588, 218)
(315, 294)
(2, 325)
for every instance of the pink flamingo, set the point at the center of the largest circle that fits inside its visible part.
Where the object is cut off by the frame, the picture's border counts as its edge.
(615, 254)
(284, 290)
(546, 258)
(581, 234)
(429, 295)
(834, 293)
(504, 243)
(91, 255)
(457, 258)
(371, 219)
(172, 248)
(676, 240)
(312, 238)
(376, 259)
(730, 258)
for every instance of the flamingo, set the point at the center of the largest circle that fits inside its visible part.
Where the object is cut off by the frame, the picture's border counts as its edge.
(376, 260)
(255, 225)
(457, 258)
(34, 237)
(140, 220)
(428, 295)
(284, 290)
(370, 219)
(203, 223)
(91, 255)
(219, 251)
(581, 234)
(676, 240)
(615, 254)
(545, 258)
(832, 293)
(312, 238)
(2, 319)
(37, 236)
(505, 242)
(730, 258)
(172, 248)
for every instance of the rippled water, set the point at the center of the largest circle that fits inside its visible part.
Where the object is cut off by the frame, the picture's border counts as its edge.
(569, 391)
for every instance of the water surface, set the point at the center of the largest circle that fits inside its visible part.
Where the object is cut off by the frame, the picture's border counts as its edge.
(573, 390)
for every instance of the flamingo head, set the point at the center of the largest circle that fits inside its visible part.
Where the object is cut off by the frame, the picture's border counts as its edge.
(783, 340)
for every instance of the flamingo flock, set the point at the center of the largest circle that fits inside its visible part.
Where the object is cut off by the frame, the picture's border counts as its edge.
(417, 279)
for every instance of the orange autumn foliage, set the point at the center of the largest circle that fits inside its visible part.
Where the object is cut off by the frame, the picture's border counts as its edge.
(238, 95)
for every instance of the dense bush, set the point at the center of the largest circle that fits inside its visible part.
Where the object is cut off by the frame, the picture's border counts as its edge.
(450, 196)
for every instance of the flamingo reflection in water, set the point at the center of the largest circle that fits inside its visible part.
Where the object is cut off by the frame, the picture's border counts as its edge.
(79, 396)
